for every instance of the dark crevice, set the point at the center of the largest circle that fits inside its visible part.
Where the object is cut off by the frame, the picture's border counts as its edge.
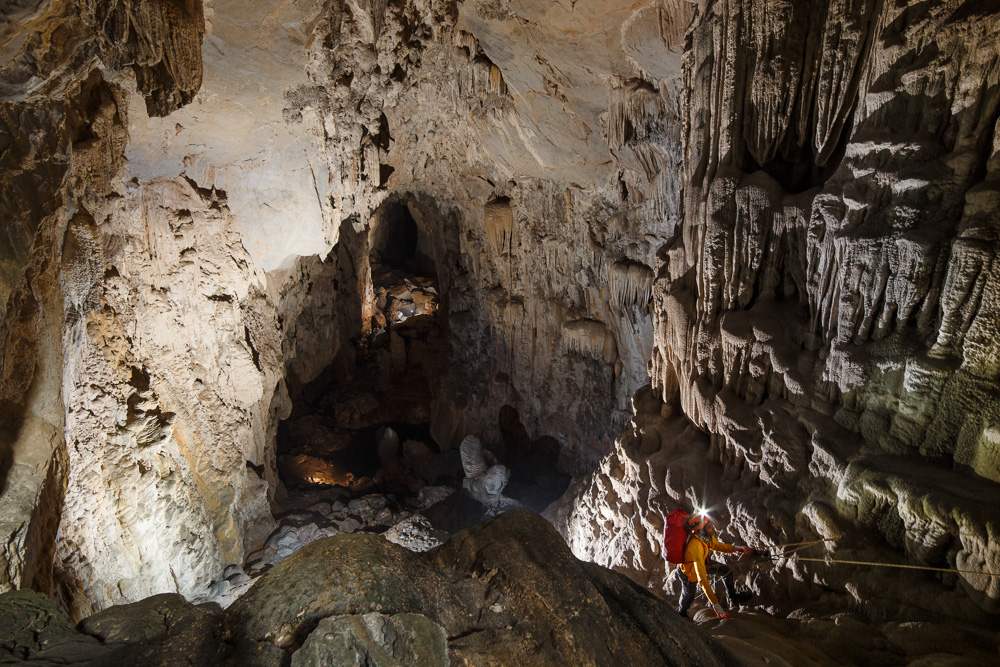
(254, 354)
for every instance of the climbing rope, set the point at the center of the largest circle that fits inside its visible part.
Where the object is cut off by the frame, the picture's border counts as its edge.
(804, 544)
(798, 546)
(896, 565)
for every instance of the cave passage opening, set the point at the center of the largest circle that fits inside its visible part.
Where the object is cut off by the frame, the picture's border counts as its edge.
(358, 442)
(362, 431)
(362, 426)
(396, 242)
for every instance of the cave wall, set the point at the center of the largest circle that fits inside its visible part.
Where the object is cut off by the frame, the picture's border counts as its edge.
(63, 135)
(413, 105)
(825, 358)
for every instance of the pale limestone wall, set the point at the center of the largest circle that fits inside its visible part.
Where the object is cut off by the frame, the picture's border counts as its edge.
(64, 124)
(826, 316)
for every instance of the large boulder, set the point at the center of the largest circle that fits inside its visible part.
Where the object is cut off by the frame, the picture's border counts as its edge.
(507, 591)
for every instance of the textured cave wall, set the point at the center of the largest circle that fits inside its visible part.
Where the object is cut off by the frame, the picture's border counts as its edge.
(826, 351)
(544, 190)
(145, 347)
(61, 141)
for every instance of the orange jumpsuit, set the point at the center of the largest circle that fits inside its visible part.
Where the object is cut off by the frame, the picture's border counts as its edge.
(695, 554)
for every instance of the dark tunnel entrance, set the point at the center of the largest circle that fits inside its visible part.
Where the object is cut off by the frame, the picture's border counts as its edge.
(357, 452)
(362, 425)
(397, 244)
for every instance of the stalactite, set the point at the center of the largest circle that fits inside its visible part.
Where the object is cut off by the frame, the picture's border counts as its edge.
(674, 16)
(590, 338)
(631, 283)
(497, 85)
(551, 251)
(498, 218)
(634, 112)
(466, 40)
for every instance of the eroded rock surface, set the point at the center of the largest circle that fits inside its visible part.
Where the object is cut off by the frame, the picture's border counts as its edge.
(825, 357)
(64, 124)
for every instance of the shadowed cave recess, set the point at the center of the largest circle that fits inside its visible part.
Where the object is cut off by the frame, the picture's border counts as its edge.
(265, 266)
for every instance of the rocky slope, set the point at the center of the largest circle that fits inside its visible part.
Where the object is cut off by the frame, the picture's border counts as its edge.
(505, 592)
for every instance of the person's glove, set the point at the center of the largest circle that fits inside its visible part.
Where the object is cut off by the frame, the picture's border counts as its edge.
(744, 550)
(721, 614)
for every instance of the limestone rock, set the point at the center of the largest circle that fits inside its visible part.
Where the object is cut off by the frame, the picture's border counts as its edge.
(146, 621)
(506, 590)
(375, 639)
(484, 483)
(800, 224)
(63, 71)
(818, 366)
(414, 533)
(159, 630)
(31, 628)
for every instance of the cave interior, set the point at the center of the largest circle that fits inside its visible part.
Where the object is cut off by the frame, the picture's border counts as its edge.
(327, 324)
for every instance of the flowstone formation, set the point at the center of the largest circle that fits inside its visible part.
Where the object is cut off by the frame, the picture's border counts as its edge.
(826, 360)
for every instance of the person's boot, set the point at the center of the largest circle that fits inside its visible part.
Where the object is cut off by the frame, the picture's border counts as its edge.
(682, 612)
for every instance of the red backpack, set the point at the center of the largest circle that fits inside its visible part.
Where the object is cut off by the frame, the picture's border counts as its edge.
(675, 536)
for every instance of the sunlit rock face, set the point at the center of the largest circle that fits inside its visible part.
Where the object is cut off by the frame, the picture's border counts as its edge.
(195, 192)
(826, 318)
